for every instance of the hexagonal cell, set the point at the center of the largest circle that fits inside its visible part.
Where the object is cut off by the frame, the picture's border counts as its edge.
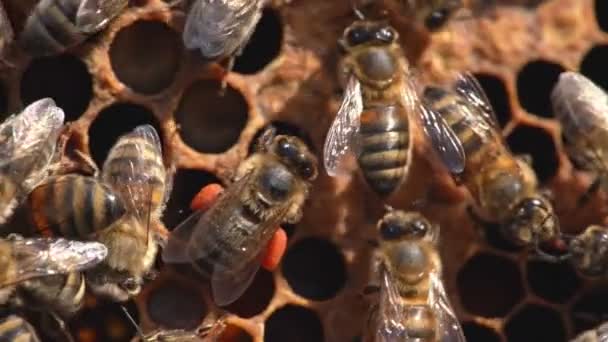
(535, 323)
(475, 332)
(211, 122)
(114, 121)
(594, 63)
(314, 268)
(105, 321)
(590, 309)
(264, 45)
(535, 82)
(556, 282)
(489, 285)
(293, 323)
(542, 151)
(175, 306)
(64, 78)
(186, 184)
(233, 333)
(285, 128)
(498, 96)
(601, 14)
(146, 65)
(256, 298)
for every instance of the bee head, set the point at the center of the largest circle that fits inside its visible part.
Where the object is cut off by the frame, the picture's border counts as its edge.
(365, 32)
(293, 152)
(532, 221)
(589, 251)
(398, 225)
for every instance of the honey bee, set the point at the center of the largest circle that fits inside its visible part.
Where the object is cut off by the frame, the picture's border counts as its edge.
(57, 25)
(582, 109)
(413, 304)
(6, 34)
(463, 129)
(598, 334)
(15, 328)
(116, 209)
(373, 120)
(225, 243)
(588, 251)
(27, 150)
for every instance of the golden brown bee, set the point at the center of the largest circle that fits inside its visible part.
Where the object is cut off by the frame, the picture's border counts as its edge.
(15, 328)
(597, 334)
(224, 243)
(116, 210)
(6, 34)
(374, 118)
(588, 251)
(464, 131)
(413, 304)
(27, 151)
(57, 25)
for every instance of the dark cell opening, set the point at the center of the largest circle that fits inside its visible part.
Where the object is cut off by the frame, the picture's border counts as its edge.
(293, 323)
(211, 122)
(494, 237)
(475, 332)
(264, 45)
(601, 14)
(489, 285)
(3, 101)
(314, 269)
(539, 145)
(590, 310)
(145, 56)
(594, 65)
(535, 82)
(556, 282)
(498, 96)
(186, 184)
(64, 78)
(233, 333)
(105, 320)
(256, 298)
(114, 121)
(535, 323)
(282, 128)
(175, 306)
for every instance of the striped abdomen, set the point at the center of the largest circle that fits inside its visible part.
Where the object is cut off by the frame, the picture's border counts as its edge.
(74, 206)
(51, 29)
(63, 293)
(16, 329)
(384, 144)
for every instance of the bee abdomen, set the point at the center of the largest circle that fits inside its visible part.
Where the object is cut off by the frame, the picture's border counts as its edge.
(64, 293)
(421, 323)
(50, 29)
(74, 206)
(15, 328)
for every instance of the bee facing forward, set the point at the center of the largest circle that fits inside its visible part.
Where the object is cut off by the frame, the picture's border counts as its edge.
(224, 243)
(413, 303)
(15, 328)
(379, 98)
(57, 25)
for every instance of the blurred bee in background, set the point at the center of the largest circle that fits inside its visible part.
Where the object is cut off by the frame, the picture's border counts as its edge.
(57, 25)
(463, 130)
(6, 34)
(117, 210)
(373, 121)
(588, 251)
(598, 334)
(413, 304)
(225, 244)
(27, 151)
(15, 328)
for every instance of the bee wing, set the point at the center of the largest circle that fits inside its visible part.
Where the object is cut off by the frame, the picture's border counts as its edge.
(467, 86)
(342, 134)
(390, 325)
(93, 15)
(49, 256)
(227, 287)
(448, 324)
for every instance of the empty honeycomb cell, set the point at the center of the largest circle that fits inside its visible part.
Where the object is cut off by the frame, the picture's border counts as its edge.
(535, 81)
(264, 45)
(475, 332)
(594, 65)
(211, 122)
(314, 268)
(295, 324)
(556, 282)
(175, 306)
(498, 96)
(538, 144)
(256, 298)
(489, 285)
(533, 323)
(114, 121)
(156, 50)
(590, 309)
(186, 184)
(64, 78)
(284, 128)
(601, 14)
(233, 333)
(106, 321)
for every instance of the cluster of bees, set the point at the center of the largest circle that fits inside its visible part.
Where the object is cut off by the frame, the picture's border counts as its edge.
(99, 230)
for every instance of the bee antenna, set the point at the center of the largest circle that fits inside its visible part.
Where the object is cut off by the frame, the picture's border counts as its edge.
(356, 10)
(132, 320)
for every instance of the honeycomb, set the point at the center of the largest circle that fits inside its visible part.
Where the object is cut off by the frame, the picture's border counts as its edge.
(137, 71)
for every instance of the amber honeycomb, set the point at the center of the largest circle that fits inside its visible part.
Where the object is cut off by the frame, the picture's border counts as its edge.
(138, 72)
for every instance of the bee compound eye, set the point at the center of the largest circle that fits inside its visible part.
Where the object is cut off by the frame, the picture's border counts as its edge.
(436, 19)
(386, 34)
(357, 36)
(286, 149)
(391, 230)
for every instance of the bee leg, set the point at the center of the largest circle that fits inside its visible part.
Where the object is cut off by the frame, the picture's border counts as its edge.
(591, 190)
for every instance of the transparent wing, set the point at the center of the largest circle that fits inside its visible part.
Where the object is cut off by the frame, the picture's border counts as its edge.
(467, 86)
(37, 257)
(448, 324)
(341, 136)
(94, 15)
(227, 287)
(391, 317)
